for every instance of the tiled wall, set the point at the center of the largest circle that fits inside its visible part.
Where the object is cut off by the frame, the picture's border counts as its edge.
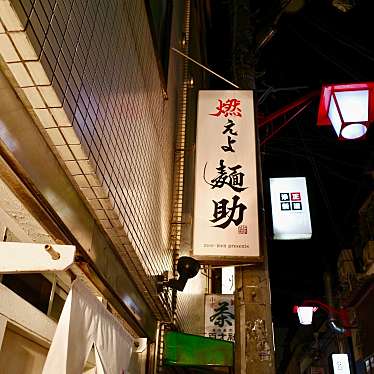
(191, 303)
(87, 72)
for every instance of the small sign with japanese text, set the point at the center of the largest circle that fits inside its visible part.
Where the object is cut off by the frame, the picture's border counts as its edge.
(228, 279)
(220, 317)
(225, 209)
(340, 363)
(290, 208)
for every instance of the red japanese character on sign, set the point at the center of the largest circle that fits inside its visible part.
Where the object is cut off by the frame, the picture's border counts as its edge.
(242, 229)
(295, 196)
(228, 108)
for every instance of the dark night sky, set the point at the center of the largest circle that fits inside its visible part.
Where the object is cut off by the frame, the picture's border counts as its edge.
(316, 45)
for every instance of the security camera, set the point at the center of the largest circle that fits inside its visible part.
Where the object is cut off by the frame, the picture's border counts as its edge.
(187, 268)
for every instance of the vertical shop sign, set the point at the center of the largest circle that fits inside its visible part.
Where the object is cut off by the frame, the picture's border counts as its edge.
(220, 317)
(228, 279)
(225, 210)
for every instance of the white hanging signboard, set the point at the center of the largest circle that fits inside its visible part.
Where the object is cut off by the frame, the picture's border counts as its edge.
(340, 363)
(220, 317)
(228, 279)
(290, 208)
(225, 211)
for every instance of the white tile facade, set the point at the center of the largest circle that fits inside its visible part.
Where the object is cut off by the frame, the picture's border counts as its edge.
(87, 72)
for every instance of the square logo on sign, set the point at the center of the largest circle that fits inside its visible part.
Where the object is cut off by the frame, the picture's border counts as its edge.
(290, 201)
(242, 229)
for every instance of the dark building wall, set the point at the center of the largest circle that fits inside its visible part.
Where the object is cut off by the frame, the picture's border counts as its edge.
(365, 317)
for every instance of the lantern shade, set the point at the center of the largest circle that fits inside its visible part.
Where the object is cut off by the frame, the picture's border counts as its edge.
(305, 314)
(354, 131)
(349, 108)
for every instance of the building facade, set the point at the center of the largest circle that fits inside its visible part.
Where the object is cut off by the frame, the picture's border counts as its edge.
(93, 114)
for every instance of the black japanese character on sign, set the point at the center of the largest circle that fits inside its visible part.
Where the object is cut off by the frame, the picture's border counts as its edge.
(230, 281)
(222, 315)
(228, 128)
(221, 335)
(229, 148)
(233, 179)
(223, 212)
(230, 337)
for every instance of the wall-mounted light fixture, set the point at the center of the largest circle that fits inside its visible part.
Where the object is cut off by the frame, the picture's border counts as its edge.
(187, 268)
(190, 82)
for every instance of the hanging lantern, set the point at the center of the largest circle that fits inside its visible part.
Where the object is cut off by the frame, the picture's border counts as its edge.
(349, 108)
(305, 314)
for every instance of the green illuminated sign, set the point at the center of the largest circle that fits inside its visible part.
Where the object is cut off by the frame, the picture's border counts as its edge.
(193, 350)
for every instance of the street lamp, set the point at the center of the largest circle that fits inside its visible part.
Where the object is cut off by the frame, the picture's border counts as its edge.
(305, 314)
(306, 310)
(348, 108)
